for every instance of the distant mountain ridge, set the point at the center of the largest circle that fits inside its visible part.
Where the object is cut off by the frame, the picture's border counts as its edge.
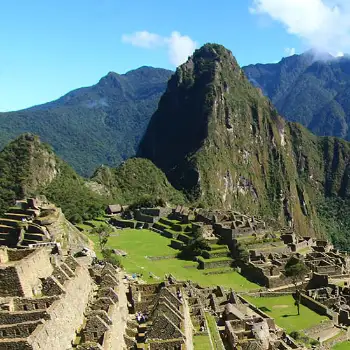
(90, 126)
(311, 89)
(223, 143)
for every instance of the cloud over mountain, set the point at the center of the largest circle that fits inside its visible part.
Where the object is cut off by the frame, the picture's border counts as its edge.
(179, 46)
(323, 24)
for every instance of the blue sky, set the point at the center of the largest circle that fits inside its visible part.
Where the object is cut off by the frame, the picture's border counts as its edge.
(51, 47)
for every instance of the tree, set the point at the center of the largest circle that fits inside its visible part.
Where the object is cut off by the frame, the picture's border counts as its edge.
(103, 232)
(196, 245)
(296, 270)
(242, 253)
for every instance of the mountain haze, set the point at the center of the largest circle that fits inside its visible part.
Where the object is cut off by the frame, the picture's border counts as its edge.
(311, 89)
(221, 141)
(101, 124)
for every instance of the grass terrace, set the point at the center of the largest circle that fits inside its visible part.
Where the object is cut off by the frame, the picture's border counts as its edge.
(342, 346)
(283, 310)
(201, 342)
(150, 253)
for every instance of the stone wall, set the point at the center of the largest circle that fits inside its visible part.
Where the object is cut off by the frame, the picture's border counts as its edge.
(13, 317)
(314, 305)
(33, 267)
(18, 254)
(26, 304)
(10, 284)
(169, 345)
(66, 314)
(208, 264)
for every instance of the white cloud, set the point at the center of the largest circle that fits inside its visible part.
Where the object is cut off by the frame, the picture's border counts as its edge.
(289, 51)
(179, 46)
(143, 39)
(323, 24)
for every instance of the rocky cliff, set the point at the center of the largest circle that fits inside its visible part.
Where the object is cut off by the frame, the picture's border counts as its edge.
(220, 140)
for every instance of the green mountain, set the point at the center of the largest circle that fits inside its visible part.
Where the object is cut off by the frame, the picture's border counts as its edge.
(309, 89)
(221, 141)
(101, 124)
(29, 167)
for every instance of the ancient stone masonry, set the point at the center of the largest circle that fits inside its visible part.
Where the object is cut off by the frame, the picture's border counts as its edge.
(34, 222)
(328, 299)
(54, 301)
(42, 298)
(162, 305)
(99, 326)
(240, 324)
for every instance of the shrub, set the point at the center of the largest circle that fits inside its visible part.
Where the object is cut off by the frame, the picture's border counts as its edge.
(110, 257)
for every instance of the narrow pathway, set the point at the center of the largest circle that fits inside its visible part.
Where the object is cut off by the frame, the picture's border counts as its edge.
(123, 312)
(188, 324)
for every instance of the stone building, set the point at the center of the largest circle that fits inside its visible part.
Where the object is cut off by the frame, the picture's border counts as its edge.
(46, 297)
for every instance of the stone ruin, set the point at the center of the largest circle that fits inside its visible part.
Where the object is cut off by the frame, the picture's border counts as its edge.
(52, 301)
(164, 309)
(239, 323)
(34, 222)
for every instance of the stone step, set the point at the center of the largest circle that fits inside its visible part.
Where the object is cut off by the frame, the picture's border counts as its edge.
(34, 237)
(17, 210)
(15, 216)
(9, 222)
(26, 242)
(6, 228)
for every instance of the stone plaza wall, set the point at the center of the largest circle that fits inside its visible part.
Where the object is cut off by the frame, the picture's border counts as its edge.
(33, 267)
(10, 284)
(66, 314)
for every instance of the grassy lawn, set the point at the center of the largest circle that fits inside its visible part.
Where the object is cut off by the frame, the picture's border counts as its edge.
(342, 346)
(140, 244)
(201, 342)
(213, 330)
(283, 310)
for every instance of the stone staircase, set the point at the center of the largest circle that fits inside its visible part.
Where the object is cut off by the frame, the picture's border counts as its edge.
(17, 228)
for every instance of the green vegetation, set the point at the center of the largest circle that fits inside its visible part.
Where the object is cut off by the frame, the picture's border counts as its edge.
(101, 124)
(195, 246)
(69, 192)
(313, 93)
(201, 342)
(138, 181)
(282, 309)
(142, 245)
(342, 346)
(213, 331)
(296, 270)
(216, 110)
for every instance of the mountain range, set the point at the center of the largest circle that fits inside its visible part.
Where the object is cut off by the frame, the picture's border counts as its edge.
(104, 123)
(312, 89)
(222, 142)
(90, 126)
(215, 141)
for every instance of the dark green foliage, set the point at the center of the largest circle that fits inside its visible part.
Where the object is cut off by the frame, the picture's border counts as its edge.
(110, 257)
(242, 253)
(138, 181)
(69, 192)
(101, 124)
(334, 216)
(14, 164)
(296, 270)
(103, 232)
(29, 167)
(195, 246)
(235, 151)
(308, 89)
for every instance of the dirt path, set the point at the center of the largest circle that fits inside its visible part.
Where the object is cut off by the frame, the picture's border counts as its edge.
(123, 312)
(188, 324)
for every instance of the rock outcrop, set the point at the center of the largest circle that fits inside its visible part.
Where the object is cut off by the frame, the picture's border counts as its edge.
(216, 137)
